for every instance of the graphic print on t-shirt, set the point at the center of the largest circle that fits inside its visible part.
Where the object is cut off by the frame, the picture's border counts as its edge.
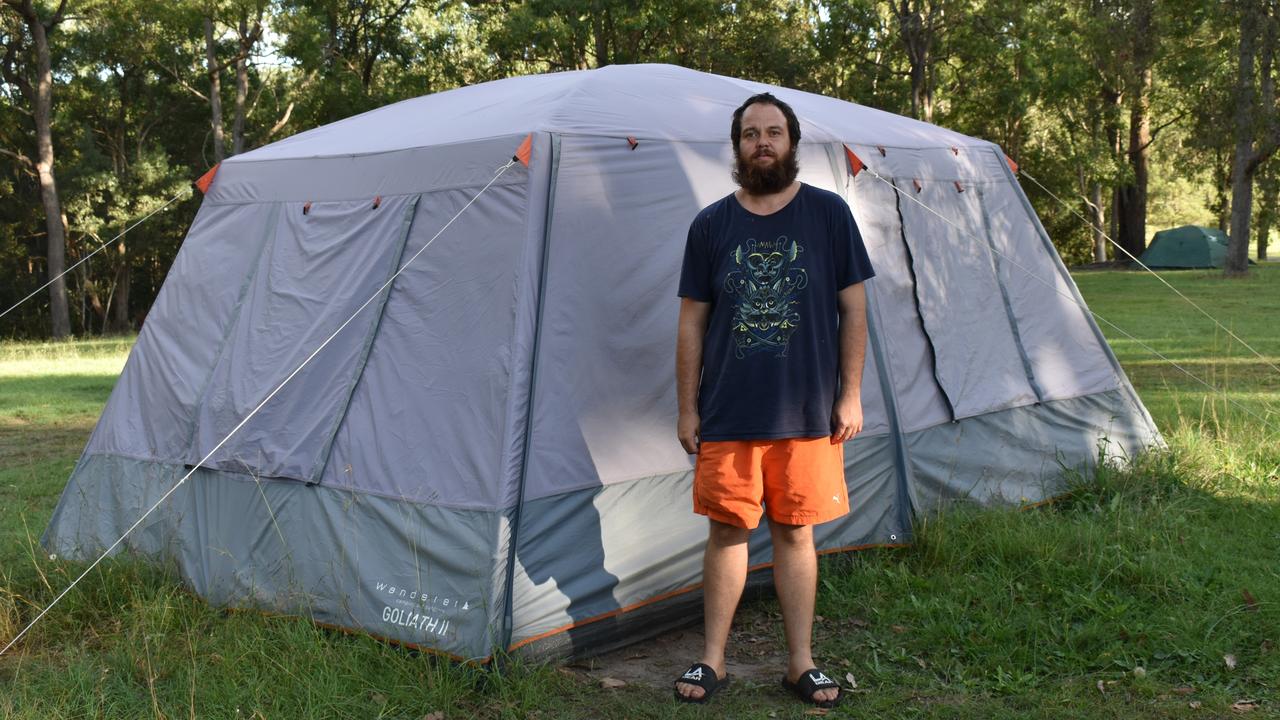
(765, 286)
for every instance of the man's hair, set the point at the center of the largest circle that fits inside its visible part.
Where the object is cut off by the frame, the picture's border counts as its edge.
(793, 122)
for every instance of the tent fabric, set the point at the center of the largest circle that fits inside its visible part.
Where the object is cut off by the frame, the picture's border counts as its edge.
(496, 428)
(1189, 246)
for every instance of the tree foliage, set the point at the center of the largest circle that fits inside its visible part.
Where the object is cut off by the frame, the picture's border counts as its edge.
(148, 94)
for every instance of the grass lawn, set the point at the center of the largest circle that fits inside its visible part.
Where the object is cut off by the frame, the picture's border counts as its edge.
(1151, 593)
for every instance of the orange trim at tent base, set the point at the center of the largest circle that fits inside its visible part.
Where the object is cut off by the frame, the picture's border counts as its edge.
(682, 591)
(207, 179)
(1012, 165)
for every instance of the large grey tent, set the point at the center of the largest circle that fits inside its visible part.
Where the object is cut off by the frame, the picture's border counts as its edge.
(486, 457)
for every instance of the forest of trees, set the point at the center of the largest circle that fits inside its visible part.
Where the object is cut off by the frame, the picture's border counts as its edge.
(1141, 114)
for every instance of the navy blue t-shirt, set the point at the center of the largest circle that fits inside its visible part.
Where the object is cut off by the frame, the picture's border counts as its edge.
(771, 355)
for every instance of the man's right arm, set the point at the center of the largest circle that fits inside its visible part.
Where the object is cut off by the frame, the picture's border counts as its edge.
(694, 315)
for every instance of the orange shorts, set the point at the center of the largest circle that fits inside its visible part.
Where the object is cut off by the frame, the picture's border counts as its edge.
(800, 481)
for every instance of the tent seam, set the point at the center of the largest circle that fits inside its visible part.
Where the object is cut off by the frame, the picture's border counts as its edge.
(508, 612)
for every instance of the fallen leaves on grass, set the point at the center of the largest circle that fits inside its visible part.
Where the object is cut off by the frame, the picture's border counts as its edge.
(1244, 706)
(816, 711)
(1230, 661)
(612, 683)
(1249, 601)
(853, 683)
(1139, 672)
(1194, 704)
(437, 715)
(1183, 690)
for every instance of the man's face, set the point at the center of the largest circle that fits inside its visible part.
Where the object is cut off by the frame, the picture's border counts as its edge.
(766, 161)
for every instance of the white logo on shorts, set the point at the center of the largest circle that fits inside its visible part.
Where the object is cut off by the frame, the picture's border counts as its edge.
(836, 498)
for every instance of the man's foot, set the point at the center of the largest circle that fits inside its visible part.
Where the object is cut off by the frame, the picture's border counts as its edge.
(814, 687)
(699, 683)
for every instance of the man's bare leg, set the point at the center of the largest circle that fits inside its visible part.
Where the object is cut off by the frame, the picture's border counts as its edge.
(795, 576)
(724, 572)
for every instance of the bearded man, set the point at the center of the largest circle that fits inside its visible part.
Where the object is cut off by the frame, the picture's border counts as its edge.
(769, 356)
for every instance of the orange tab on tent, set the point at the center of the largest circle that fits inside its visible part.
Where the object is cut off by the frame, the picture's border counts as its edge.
(959, 187)
(207, 179)
(377, 200)
(1012, 165)
(306, 209)
(855, 162)
(633, 142)
(524, 151)
(916, 184)
(882, 152)
(955, 151)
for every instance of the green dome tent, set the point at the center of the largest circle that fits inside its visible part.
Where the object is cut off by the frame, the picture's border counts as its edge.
(1189, 246)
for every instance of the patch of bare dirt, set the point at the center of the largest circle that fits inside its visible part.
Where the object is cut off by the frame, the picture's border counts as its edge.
(756, 654)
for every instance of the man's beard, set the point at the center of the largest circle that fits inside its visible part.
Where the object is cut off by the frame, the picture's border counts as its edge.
(767, 180)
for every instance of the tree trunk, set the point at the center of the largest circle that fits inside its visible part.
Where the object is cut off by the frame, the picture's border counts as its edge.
(215, 91)
(59, 312)
(601, 40)
(1269, 189)
(917, 40)
(1099, 239)
(1133, 195)
(1255, 24)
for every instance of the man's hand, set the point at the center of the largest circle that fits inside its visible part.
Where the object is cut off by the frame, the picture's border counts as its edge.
(689, 430)
(846, 418)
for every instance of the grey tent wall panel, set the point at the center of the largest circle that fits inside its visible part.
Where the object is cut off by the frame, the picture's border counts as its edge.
(1056, 332)
(960, 300)
(378, 307)
(919, 399)
(429, 417)
(408, 572)
(996, 263)
(268, 236)
(151, 409)
(1024, 455)
(606, 566)
(325, 262)
(1061, 269)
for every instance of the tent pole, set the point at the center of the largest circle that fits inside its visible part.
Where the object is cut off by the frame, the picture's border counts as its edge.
(508, 597)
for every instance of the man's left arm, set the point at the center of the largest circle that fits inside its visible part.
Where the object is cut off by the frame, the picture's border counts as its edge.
(846, 416)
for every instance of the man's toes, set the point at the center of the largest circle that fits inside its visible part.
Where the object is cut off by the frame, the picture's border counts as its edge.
(825, 695)
(690, 691)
